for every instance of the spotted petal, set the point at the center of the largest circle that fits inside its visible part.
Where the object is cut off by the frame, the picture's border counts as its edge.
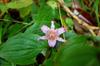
(60, 31)
(45, 28)
(52, 43)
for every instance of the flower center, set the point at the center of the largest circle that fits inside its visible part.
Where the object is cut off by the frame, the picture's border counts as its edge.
(51, 35)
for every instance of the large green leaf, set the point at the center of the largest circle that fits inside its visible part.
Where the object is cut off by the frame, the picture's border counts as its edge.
(73, 38)
(44, 14)
(77, 54)
(41, 17)
(22, 49)
(36, 27)
(48, 62)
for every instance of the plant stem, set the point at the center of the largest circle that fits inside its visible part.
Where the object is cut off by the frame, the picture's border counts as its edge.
(14, 21)
(61, 2)
(62, 21)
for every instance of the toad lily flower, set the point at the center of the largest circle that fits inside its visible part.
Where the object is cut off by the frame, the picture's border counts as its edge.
(52, 34)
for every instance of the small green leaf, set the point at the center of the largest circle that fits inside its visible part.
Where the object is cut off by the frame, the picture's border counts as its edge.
(25, 11)
(68, 0)
(69, 22)
(96, 8)
(68, 3)
(97, 38)
(19, 4)
(52, 4)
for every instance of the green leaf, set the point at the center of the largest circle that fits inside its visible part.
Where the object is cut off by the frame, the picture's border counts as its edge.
(44, 14)
(96, 8)
(52, 4)
(36, 28)
(97, 38)
(41, 18)
(77, 55)
(4, 63)
(19, 4)
(70, 34)
(68, 3)
(78, 39)
(13, 29)
(24, 6)
(22, 48)
(68, 0)
(77, 52)
(3, 8)
(1, 31)
(25, 11)
(73, 38)
(69, 22)
(48, 62)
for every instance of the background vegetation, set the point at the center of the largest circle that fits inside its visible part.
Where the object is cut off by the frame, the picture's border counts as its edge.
(20, 24)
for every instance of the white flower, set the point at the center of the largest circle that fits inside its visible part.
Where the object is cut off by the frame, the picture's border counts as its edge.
(52, 34)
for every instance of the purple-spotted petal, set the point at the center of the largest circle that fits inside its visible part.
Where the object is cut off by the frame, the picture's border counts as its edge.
(45, 28)
(60, 39)
(60, 30)
(52, 43)
(43, 38)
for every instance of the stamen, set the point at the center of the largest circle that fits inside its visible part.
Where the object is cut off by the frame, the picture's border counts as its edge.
(51, 35)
